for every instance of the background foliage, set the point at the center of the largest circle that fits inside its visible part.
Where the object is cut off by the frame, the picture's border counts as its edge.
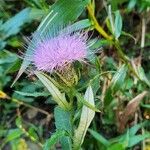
(118, 75)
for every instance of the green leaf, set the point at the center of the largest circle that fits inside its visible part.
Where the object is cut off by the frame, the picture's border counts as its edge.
(136, 139)
(56, 94)
(63, 14)
(87, 116)
(53, 139)
(59, 15)
(14, 67)
(108, 98)
(85, 102)
(115, 3)
(12, 26)
(13, 134)
(7, 57)
(142, 75)
(116, 146)
(35, 94)
(37, 14)
(37, 3)
(115, 85)
(33, 133)
(62, 119)
(80, 25)
(3, 132)
(132, 4)
(110, 20)
(133, 130)
(129, 139)
(63, 122)
(129, 35)
(118, 79)
(118, 24)
(145, 105)
(99, 138)
(2, 44)
(18, 122)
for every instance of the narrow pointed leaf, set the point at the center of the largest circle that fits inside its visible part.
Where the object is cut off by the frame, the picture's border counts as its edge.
(115, 85)
(99, 138)
(118, 24)
(118, 78)
(87, 116)
(137, 138)
(56, 94)
(13, 25)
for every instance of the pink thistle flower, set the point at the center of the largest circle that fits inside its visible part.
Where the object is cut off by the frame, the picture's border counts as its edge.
(54, 53)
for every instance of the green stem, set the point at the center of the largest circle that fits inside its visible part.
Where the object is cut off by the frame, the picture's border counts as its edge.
(96, 24)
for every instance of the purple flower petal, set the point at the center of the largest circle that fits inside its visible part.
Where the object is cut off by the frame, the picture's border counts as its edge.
(53, 53)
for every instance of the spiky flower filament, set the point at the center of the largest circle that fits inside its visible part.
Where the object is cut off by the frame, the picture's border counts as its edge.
(56, 53)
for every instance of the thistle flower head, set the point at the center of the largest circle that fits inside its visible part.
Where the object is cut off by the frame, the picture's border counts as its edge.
(55, 53)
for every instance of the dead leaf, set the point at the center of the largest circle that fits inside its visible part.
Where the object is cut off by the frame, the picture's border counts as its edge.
(129, 110)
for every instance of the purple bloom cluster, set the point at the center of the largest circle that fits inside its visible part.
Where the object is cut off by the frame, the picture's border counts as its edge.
(55, 53)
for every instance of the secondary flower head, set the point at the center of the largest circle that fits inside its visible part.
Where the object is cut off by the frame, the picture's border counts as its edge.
(55, 53)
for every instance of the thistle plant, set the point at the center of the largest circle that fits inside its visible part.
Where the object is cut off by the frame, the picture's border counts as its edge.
(57, 54)
(72, 78)
(53, 57)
